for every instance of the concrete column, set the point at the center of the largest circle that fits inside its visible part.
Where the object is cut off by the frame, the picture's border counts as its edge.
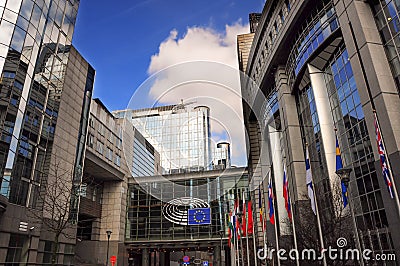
(293, 152)
(326, 123)
(276, 151)
(292, 148)
(145, 257)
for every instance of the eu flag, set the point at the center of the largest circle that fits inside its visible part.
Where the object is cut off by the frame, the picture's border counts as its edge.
(199, 216)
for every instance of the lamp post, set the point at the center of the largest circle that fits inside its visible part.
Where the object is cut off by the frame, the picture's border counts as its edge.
(30, 243)
(108, 244)
(221, 234)
(344, 175)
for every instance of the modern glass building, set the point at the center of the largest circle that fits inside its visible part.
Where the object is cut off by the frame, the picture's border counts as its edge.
(326, 64)
(158, 231)
(180, 133)
(45, 88)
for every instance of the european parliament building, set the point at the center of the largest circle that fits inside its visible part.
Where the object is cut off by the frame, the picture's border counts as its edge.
(327, 69)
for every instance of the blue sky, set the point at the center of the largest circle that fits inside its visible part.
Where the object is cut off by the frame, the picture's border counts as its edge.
(119, 39)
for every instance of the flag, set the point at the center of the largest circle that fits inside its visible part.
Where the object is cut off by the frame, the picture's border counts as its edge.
(261, 206)
(199, 216)
(230, 226)
(249, 218)
(271, 200)
(286, 194)
(309, 181)
(244, 219)
(237, 225)
(339, 165)
(383, 159)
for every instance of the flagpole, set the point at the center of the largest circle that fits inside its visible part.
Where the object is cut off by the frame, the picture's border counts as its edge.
(237, 248)
(294, 236)
(264, 246)
(276, 218)
(292, 220)
(265, 218)
(240, 219)
(321, 239)
(254, 238)
(396, 196)
(247, 233)
(241, 248)
(236, 230)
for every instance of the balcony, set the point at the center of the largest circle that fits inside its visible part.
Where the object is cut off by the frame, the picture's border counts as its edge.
(89, 208)
(100, 170)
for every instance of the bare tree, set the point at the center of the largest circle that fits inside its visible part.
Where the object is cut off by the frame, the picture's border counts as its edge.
(54, 202)
(336, 223)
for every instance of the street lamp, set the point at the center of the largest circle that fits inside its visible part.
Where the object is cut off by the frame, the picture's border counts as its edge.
(344, 175)
(30, 243)
(108, 244)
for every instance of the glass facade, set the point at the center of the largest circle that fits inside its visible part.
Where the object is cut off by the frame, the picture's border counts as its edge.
(323, 26)
(180, 134)
(143, 158)
(146, 219)
(357, 153)
(34, 49)
(311, 134)
(388, 22)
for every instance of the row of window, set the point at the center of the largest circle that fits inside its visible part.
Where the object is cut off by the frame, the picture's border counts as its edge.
(17, 252)
(108, 134)
(273, 33)
(387, 17)
(108, 152)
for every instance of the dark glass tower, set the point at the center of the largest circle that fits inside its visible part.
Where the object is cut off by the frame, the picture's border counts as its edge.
(45, 88)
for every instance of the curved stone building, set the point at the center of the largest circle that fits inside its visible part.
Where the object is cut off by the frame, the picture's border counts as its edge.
(324, 67)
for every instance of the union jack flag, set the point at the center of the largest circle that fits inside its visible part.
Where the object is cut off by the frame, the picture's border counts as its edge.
(383, 159)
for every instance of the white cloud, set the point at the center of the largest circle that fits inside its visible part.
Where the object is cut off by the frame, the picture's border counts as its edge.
(199, 43)
(209, 76)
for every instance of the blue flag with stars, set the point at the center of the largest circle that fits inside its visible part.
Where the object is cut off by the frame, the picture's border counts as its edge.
(199, 216)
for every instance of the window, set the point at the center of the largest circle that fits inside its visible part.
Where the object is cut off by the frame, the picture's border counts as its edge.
(48, 246)
(18, 85)
(109, 154)
(83, 190)
(100, 147)
(282, 16)
(118, 160)
(9, 75)
(69, 254)
(91, 122)
(288, 7)
(118, 142)
(101, 129)
(94, 195)
(14, 100)
(14, 253)
(90, 140)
